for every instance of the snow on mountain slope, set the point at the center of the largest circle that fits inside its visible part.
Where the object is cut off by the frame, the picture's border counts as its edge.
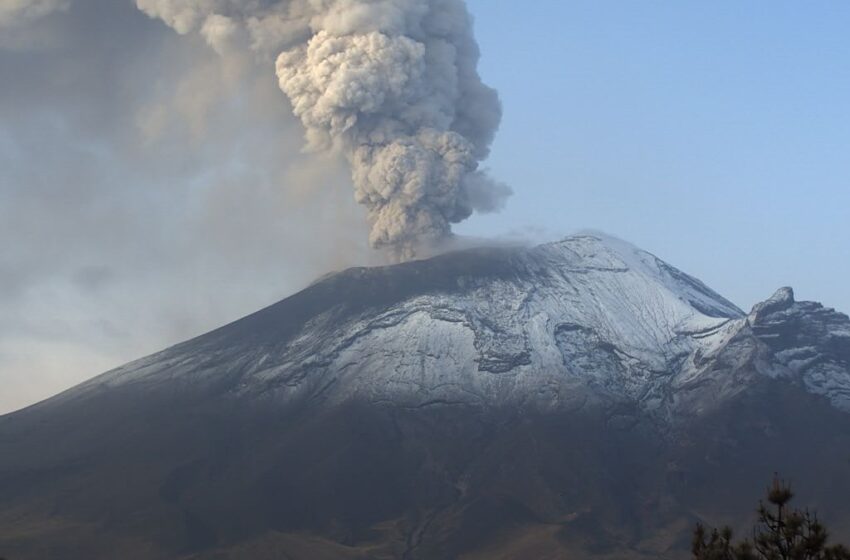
(589, 318)
(801, 342)
(808, 342)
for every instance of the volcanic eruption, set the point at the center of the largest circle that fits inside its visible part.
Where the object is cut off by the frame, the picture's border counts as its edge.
(390, 84)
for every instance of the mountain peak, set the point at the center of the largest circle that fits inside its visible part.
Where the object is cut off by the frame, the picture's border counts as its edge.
(486, 326)
(782, 299)
(545, 326)
(600, 251)
(384, 403)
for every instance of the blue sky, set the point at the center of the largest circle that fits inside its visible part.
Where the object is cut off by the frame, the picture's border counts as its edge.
(714, 134)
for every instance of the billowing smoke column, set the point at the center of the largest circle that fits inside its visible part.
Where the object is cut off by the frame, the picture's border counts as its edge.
(392, 84)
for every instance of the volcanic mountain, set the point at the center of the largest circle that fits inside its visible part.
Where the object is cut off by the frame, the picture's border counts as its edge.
(579, 399)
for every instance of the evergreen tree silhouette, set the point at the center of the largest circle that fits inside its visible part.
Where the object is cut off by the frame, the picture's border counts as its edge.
(781, 533)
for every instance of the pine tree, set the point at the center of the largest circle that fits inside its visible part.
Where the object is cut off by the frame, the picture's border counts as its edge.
(781, 533)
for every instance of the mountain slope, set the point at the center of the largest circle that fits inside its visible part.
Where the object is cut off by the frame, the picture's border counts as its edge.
(576, 399)
(487, 326)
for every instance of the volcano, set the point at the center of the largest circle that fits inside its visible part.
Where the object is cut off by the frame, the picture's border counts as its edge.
(578, 399)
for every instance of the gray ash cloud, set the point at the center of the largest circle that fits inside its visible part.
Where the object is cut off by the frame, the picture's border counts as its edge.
(390, 84)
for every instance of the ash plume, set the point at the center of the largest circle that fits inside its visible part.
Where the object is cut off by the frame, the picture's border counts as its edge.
(390, 84)
(17, 12)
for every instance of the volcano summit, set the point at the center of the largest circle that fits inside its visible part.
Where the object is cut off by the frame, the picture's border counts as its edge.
(579, 399)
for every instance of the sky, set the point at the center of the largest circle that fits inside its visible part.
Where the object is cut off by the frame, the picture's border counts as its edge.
(151, 190)
(713, 134)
